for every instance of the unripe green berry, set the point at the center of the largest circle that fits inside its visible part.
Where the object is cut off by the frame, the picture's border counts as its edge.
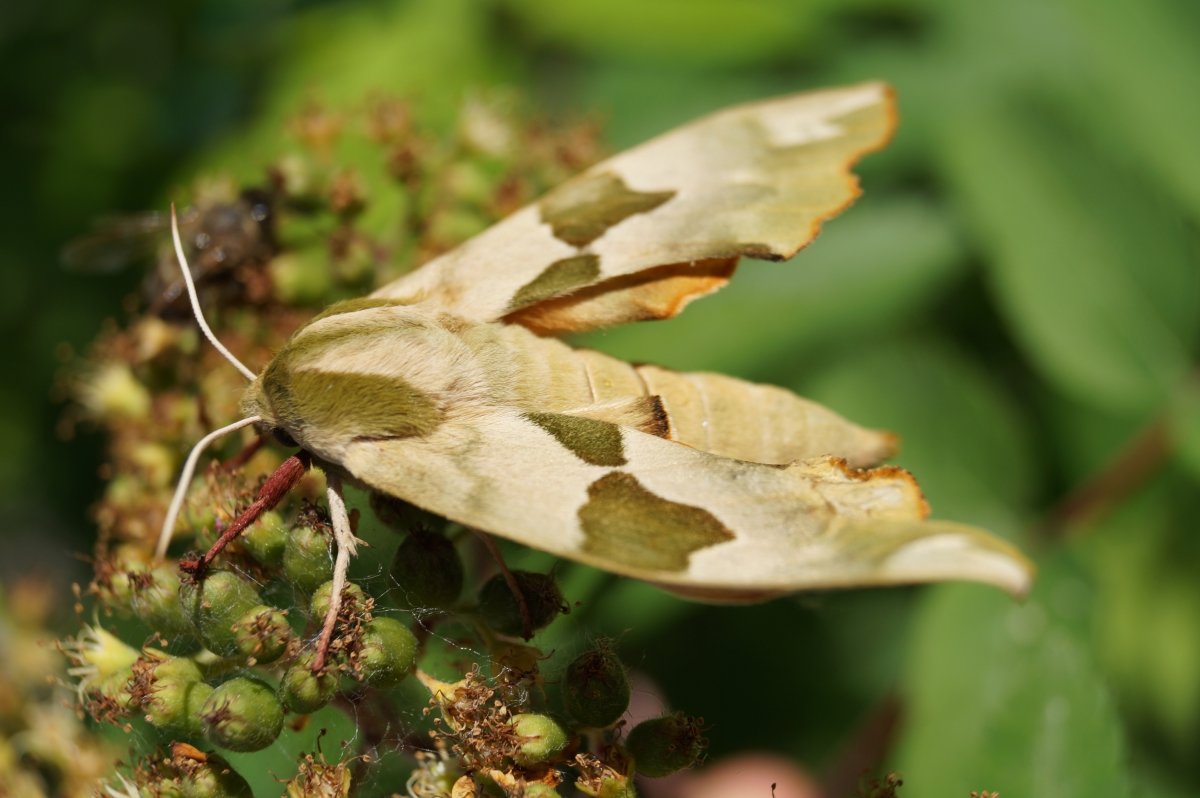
(242, 714)
(500, 609)
(428, 571)
(307, 563)
(661, 746)
(116, 593)
(197, 696)
(114, 687)
(303, 691)
(596, 689)
(156, 602)
(262, 633)
(214, 779)
(300, 277)
(168, 702)
(319, 606)
(388, 652)
(542, 739)
(216, 604)
(117, 587)
(612, 786)
(266, 539)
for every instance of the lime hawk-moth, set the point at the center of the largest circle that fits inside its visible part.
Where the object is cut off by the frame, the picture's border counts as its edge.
(449, 388)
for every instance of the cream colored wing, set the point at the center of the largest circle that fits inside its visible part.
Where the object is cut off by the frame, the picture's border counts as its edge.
(706, 526)
(641, 234)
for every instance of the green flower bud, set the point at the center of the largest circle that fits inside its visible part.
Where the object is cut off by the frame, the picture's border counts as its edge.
(608, 786)
(301, 277)
(98, 654)
(262, 633)
(197, 696)
(266, 539)
(449, 226)
(319, 605)
(242, 714)
(116, 593)
(156, 601)
(302, 178)
(214, 779)
(307, 563)
(113, 688)
(113, 392)
(388, 652)
(501, 611)
(103, 665)
(661, 746)
(319, 780)
(169, 702)
(540, 791)
(596, 689)
(115, 584)
(216, 605)
(542, 739)
(302, 691)
(428, 571)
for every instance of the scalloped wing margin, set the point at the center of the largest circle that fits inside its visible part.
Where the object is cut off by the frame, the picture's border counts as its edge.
(640, 235)
(704, 526)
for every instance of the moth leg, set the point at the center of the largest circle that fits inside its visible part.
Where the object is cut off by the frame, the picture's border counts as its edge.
(347, 547)
(511, 581)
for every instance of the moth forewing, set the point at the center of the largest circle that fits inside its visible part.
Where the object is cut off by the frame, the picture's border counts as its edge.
(443, 390)
(756, 180)
(658, 510)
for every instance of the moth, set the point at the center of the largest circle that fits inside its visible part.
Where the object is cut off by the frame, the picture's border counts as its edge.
(450, 388)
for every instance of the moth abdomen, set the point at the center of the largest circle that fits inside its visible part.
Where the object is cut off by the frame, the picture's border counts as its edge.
(757, 422)
(711, 412)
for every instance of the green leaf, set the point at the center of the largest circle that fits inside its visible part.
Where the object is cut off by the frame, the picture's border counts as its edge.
(1005, 697)
(1083, 259)
(1183, 423)
(710, 32)
(1148, 66)
(1144, 556)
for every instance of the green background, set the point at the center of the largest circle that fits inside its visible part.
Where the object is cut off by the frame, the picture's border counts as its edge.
(1017, 295)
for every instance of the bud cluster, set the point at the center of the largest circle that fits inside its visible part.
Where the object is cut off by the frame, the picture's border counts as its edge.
(228, 655)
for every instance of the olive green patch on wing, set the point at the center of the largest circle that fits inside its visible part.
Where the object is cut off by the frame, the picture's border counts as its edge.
(560, 277)
(584, 209)
(353, 305)
(624, 523)
(595, 442)
(358, 406)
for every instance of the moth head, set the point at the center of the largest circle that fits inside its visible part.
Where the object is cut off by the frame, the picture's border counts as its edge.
(363, 368)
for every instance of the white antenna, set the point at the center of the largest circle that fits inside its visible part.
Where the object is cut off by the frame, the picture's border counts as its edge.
(199, 314)
(189, 466)
(185, 479)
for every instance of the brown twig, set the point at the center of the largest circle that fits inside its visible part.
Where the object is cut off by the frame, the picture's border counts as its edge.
(1132, 465)
(866, 750)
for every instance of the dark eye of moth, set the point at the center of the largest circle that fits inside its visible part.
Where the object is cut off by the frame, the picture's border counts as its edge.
(281, 435)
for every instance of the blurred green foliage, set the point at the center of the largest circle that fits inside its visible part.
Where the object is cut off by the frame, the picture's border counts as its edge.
(1017, 295)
